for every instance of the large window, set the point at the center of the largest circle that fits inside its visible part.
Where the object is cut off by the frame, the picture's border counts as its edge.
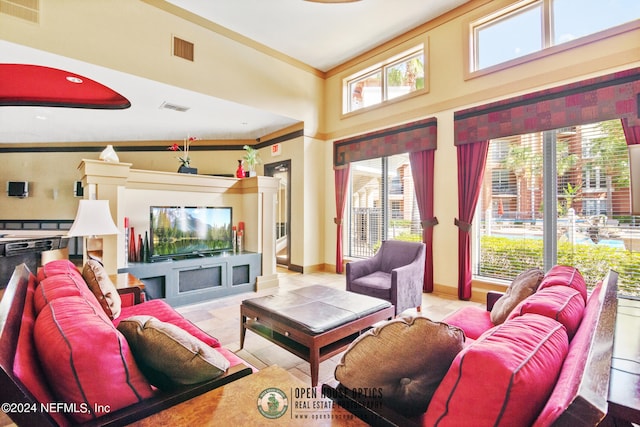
(530, 26)
(382, 204)
(398, 77)
(562, 197)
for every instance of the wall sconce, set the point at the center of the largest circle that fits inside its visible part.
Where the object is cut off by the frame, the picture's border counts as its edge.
(93, 219)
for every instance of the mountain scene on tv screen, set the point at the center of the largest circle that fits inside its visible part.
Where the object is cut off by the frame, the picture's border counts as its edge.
(187, 231)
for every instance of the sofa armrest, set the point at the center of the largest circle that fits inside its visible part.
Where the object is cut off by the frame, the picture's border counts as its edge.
(168, 399)
(131, 296)
(381, 416)
(492, 297)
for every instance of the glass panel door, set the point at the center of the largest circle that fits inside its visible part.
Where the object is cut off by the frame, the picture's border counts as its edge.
(282, 170)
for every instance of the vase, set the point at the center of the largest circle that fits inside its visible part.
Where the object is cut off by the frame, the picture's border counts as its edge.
(239, 171)
(187, 169)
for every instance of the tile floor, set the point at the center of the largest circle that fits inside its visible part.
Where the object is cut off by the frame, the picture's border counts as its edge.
(221, 318)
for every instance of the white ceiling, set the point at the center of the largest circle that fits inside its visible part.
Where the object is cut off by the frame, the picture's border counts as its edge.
(320, 35)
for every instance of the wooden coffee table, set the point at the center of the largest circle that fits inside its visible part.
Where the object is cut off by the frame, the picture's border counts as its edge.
(314, 323)
(237, 404)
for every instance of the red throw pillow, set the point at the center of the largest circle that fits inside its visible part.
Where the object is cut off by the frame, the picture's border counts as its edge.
(86, 360)
(504, 378)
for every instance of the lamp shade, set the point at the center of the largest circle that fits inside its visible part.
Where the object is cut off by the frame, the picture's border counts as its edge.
(93, 219)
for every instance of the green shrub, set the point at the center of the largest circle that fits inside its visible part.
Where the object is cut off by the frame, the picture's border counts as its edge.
(505, 258)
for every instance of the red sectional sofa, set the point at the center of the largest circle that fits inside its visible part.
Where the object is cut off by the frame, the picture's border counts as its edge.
(547, 364)
(64, 362)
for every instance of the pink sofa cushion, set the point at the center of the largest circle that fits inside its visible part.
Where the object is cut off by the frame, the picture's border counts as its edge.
(561, 303)
(85, 359)
(164, 312)
(26, 365)
(564, 275)
(516, 363)
(59, 266)
(474, 321)
(59, 286)
(574, 364)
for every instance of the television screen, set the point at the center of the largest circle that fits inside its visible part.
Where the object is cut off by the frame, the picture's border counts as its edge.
(185, 230)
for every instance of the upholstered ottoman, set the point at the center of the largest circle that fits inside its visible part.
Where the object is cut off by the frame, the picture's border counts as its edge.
(314, 323)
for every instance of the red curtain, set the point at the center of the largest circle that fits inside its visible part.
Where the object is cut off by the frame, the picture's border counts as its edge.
(631, 133)
(471, 162)
(342, 181)
(422, 169)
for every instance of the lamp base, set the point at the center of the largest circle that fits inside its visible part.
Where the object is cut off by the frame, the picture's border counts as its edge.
(94, 248)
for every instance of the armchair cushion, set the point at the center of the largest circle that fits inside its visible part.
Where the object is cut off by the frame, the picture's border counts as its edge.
(523, 286)
(102, 287)
(405, 358)
(170, 356)
(376, 284)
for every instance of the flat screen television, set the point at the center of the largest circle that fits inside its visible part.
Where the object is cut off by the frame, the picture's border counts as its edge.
(180, 231)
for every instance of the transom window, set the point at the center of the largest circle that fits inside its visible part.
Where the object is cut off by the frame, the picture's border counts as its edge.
(386, 81)
(531, 26)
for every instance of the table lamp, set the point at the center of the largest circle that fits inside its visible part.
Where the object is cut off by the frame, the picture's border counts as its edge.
(93, 219)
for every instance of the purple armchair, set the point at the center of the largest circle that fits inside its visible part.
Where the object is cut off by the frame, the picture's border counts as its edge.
(395, 273)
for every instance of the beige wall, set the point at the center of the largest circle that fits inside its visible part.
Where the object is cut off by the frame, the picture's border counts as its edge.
(45, 172)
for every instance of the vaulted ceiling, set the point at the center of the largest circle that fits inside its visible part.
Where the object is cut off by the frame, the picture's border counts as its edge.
(321, 35)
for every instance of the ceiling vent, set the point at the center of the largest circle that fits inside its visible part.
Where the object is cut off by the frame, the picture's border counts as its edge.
(29, 10)
(183, 49)
(175, 107)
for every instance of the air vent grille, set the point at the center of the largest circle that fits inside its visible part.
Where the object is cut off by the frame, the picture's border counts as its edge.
(29, 10)
(175, 107)
(183, 49)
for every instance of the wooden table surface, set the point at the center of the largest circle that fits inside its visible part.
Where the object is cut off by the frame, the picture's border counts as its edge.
(236, 404)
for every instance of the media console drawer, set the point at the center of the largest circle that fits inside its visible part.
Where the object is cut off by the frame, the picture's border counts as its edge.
(197, 279)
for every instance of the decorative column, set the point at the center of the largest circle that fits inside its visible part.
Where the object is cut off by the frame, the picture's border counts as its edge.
(260, 195)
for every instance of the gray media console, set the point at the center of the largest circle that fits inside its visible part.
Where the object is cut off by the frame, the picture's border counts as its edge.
(197, 279)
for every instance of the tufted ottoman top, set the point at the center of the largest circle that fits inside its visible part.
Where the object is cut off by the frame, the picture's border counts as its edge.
(316, 309)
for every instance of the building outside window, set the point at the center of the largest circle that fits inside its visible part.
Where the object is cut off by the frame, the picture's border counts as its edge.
(382, 204)
(580, 217)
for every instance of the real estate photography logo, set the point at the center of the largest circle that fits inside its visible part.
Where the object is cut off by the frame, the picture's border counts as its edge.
(272, 403)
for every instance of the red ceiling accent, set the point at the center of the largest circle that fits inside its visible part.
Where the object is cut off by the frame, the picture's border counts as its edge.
(35, 85)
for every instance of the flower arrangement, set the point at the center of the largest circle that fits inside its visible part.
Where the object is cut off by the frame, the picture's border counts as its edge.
(184, 159)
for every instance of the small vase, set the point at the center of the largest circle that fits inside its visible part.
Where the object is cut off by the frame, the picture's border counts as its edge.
(239, 171)
(187, 169)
